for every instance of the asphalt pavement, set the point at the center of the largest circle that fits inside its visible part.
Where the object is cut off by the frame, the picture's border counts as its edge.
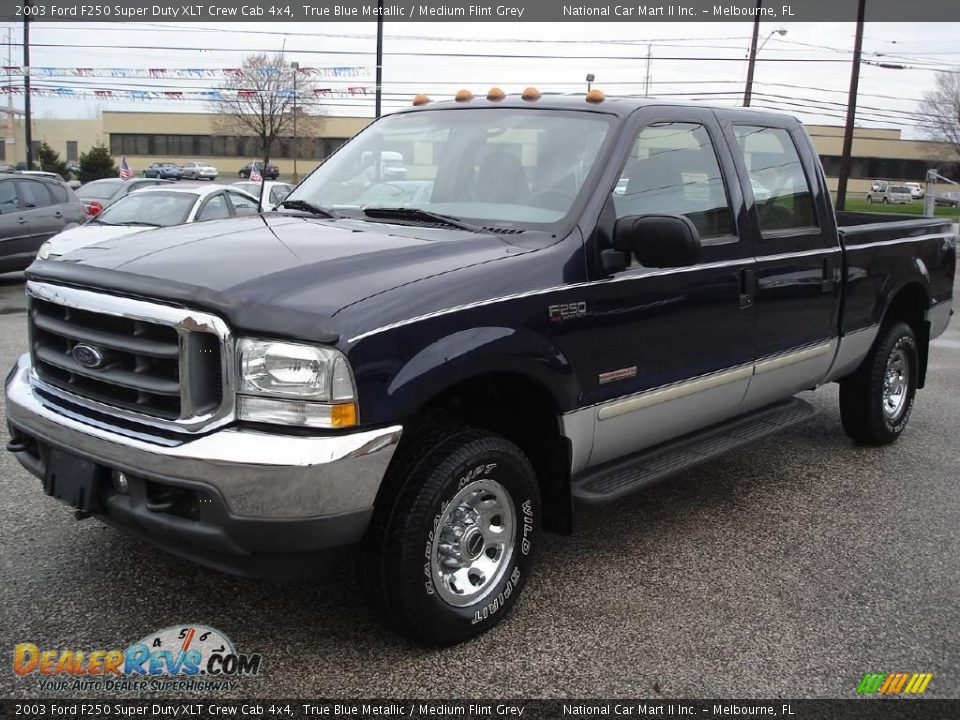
(787, 569)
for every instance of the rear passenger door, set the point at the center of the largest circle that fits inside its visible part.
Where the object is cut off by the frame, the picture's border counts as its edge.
(46, 219)
(671, 349)
(797, 252)
(16, 242)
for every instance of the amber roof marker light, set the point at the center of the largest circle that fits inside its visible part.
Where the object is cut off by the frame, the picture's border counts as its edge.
(531, 94)
(420, 99)
(595, 96)
(463, 96)
(496, 94)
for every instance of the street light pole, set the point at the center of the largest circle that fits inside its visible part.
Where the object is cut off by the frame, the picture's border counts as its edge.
(27, 115)
(379, 90)
(295, 66)
(851, 111)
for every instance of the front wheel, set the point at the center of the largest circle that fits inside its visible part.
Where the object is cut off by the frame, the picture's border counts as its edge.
(450, 546)
(877, 399)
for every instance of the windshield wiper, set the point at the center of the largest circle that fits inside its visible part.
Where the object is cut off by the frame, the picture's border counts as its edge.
(418, 215)
(307, 207)
(131, 223)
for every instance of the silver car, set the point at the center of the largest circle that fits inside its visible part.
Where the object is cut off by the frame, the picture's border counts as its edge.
(198, 171)
(32, 210)
(891, 195)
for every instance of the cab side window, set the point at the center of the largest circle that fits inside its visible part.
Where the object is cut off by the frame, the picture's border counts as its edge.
(673, 169)
(242, 205)
(780, 186)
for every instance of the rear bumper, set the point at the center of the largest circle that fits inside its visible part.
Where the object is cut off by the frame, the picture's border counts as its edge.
(241, 500)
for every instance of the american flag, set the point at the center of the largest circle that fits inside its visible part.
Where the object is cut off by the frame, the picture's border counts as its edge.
(255, 175)
(125, 172)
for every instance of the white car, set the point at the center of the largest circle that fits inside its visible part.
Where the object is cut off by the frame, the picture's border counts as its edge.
(198, 171)
(916, 190)
(149, 208)
(273, 191)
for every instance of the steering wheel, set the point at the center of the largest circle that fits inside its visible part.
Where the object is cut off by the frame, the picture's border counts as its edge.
(552, 199)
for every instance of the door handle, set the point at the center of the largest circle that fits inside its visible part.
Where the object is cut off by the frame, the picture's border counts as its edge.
(748, 287)
(58, 214)
(21, 221)
(826, 284)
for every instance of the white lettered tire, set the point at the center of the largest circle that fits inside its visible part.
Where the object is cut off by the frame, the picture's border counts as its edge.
(451, 543)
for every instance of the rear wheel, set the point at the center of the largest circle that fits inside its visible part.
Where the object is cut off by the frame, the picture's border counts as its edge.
(877, 399)
(450, 545)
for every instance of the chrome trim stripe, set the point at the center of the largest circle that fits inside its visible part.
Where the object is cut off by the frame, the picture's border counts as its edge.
(675, 391)
(897, 241)
(180, 319)
(781, 360)
(547, 291)
(803, 253)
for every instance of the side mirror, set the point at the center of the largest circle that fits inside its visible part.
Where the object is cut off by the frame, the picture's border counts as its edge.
(658, 241)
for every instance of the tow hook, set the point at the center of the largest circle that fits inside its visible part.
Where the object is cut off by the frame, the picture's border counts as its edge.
(19, 446)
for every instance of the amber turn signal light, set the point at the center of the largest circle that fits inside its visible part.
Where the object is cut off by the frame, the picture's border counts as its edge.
(421, 99)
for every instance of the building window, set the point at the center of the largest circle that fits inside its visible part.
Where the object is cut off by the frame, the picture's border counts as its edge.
(871, 168)
(213, 146)
(3, 150)
(71, 150)
(35, 146)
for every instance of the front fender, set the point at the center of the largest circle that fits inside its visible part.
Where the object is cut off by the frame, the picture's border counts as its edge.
(389, 393)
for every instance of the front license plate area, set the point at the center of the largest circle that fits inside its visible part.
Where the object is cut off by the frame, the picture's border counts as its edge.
(72, 479)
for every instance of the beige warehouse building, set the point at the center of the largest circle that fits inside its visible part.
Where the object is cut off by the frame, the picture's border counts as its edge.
(148, 137)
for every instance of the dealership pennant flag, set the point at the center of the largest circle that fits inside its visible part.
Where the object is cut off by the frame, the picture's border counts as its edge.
(125, 172)
(255, 175)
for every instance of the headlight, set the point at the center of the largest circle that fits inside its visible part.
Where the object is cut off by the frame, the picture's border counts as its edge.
(44, 252)
(294, 384)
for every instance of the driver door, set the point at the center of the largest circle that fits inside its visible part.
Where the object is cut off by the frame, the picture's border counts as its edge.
(673, 347)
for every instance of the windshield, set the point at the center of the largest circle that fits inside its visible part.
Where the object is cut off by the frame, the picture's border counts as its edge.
(101, 190)
(148, 208)
(511, 165)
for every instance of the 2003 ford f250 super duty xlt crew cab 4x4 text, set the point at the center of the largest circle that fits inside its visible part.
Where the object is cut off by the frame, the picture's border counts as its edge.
(560, 299)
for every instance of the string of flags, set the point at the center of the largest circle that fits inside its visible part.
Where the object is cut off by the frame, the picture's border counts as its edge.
(185, 95)
(333, 73)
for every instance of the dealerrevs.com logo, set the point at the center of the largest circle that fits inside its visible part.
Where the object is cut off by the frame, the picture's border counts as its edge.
(182, 657)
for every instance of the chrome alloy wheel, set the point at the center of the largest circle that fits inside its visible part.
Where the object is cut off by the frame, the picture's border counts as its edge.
(473, 543)
(895, 384)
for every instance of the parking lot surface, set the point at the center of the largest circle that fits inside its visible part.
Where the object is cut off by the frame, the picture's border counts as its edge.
(789, 569)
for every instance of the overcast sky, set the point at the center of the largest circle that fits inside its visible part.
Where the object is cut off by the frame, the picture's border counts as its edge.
(439, 58)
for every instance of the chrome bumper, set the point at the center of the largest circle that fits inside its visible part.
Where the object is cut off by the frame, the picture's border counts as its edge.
(259, 475)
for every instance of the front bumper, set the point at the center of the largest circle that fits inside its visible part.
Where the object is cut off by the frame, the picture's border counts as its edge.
(244, 500)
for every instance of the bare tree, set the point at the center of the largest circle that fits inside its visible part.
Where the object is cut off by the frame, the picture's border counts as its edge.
(258, 100)
(942, 108)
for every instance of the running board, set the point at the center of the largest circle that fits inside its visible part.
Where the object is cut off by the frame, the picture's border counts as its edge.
(635, 472)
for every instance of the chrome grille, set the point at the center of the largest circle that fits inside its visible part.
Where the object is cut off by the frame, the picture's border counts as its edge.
(146, 360)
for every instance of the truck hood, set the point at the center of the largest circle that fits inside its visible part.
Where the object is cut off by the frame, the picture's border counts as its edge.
(89, 234)
(280, 274)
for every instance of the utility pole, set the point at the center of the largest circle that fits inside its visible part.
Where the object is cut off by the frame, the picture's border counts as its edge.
(379, 98)
(851, 110)
(295, 66)
(752, 64)
(27, 117)
(646, 83)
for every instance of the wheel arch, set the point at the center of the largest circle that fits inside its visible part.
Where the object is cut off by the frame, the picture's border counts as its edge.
(909, 304)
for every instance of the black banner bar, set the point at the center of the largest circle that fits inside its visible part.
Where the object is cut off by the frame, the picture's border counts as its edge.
(780, 11)
(854, 709)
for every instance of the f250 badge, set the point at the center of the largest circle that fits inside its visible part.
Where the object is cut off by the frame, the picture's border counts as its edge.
(567, 311)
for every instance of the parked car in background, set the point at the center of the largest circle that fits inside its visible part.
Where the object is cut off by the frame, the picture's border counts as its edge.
(891, 195)
(878, 186)
(152, 208)
(162, 170)
(947, 199)
(399, 193)
(101, 194)
(916, 190)
(271, 172)
(32, 210)
(198, 171)
(273, 191)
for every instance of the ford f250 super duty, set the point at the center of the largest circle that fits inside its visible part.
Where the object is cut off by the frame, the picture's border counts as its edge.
(563, 299)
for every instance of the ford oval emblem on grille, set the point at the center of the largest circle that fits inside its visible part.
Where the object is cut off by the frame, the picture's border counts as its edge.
(89, 357)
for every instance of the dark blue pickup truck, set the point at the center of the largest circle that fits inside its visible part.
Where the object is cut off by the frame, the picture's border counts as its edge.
(558, 300)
